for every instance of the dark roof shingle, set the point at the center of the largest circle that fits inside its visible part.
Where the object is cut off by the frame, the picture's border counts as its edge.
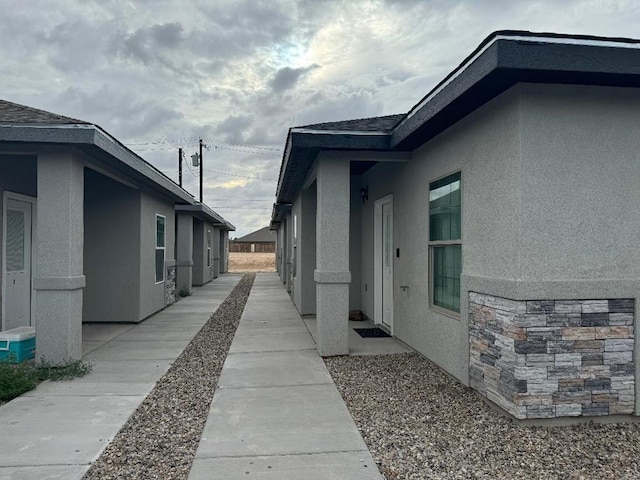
(15, 113)
(262, 235)
(371, 124)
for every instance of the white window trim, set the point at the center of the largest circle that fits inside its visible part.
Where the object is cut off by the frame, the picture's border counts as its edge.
(209, 241)
(164, 249)
(440, 243)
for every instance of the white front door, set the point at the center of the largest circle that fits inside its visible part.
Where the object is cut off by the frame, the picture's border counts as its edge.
(17, 264)
(387, 264)
(383, 264)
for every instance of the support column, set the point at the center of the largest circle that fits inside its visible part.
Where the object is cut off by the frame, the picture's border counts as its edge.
(332, 275)
(305, 291)
(215, 248)
(59, 278)
(184, 253)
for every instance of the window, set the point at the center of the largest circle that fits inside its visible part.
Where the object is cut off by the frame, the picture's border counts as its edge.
(208, 248)
(445, 242)
(160, 247)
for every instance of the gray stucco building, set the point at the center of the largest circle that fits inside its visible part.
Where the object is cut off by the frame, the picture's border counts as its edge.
(88, 230)
(491, 228)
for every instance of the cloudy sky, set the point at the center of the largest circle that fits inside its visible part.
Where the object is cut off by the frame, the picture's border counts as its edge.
(159, 74)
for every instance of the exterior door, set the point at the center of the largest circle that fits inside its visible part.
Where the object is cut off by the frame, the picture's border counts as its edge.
(17, 263)
(387, 264)
(383, 262)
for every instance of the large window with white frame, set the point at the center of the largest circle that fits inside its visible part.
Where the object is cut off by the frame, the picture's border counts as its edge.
(445, 242)
(161, 240)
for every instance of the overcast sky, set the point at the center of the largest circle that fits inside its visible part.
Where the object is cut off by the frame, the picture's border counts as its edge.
(159, 74)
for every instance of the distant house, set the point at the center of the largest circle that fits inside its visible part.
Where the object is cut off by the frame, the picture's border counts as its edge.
(260, 241)
(89, 230)
(493, 227)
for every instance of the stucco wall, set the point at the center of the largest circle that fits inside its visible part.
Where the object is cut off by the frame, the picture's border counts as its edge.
(17, 175)
(304, 287)
(580, 178)
(376, 181)
(355, 298)
(111, 251)
(485, 147)
(199, 251)
(152, 296)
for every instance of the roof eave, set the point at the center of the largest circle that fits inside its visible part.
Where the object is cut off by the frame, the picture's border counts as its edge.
(504, 60)
(88, 137)
(303, 145)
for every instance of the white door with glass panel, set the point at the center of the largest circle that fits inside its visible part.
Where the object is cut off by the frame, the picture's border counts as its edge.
(17, 264)
(387, 263)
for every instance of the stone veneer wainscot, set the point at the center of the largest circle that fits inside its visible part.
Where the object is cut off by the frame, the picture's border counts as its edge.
(553, 358)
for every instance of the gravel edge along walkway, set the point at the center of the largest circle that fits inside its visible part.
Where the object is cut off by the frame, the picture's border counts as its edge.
(419, 423)
(161, 437)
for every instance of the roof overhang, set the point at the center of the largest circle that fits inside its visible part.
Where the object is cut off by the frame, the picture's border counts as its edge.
(99, 145)
(205, 213)
(506, 58)
(502, 60)
(278, 213)
(303, 146)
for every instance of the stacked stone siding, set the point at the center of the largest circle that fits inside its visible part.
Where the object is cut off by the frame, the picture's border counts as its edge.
(553, 358)
(170, 285)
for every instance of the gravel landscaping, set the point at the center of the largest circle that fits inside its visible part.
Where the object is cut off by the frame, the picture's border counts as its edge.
(420, 423)
(161, 438)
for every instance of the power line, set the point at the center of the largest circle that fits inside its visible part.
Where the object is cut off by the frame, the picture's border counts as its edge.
(220, 143)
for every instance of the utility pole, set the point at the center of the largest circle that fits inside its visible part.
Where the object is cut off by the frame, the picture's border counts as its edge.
(201, 171)
(180, 166)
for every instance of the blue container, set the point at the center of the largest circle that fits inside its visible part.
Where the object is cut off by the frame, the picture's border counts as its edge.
(18, 344)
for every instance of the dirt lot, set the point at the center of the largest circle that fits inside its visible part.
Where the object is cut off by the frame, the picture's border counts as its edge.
(252, 262)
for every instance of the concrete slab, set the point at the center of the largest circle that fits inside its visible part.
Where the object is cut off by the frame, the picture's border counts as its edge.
(157, 350)
(168, 318)
(146, 333)
(273, 369)
(45, 472)
(270, 326)
(272, 343)
(323, 466)
(103, 332)
(88, 347)
(78, 431)
(278, 421)
(365, 346)
(109, 377)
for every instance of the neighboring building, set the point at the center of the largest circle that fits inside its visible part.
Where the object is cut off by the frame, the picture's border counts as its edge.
(260, 241)
(492, 228)
(88, 229)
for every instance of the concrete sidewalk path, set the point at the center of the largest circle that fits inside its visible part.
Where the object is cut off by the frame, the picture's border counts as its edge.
(276, 413)
(57, 430)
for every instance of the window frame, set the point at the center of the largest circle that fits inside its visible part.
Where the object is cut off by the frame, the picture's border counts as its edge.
(442, 243)
(209, 242)
(163, 248)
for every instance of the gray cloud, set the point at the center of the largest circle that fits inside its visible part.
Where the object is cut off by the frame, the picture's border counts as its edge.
(286, 78)
(148, 43)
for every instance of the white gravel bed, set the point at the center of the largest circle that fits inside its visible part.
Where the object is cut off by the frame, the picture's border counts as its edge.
(420, 423)
(161, 437)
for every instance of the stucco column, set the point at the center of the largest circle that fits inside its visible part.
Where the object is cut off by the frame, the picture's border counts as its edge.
(59, 277)
(305, 257)
(184, 252)
(332, 275)
(215, 248)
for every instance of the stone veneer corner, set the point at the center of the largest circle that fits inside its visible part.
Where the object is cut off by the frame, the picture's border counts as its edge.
(553, 358)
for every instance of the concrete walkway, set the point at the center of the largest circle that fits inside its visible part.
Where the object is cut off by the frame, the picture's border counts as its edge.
(276, 413)
(57, 430)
